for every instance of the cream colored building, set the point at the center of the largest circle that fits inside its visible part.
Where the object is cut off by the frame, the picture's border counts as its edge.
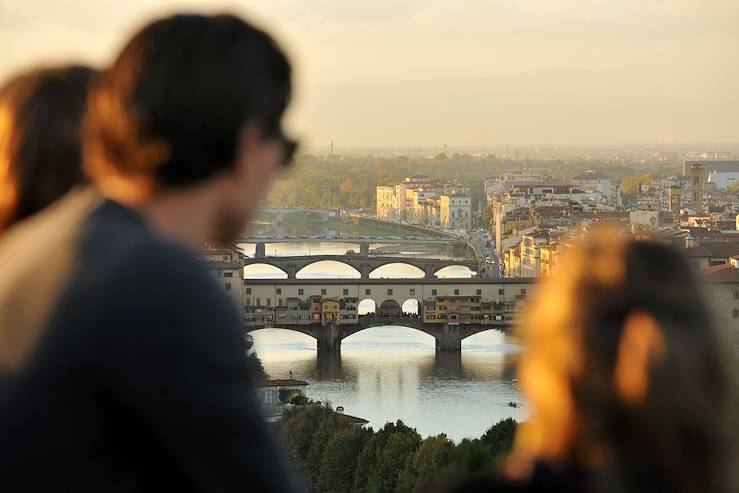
(455, 210)
(387, 206)
(227, 267)
(418, 200)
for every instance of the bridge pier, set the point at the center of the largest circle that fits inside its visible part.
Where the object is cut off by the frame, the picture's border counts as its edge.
(449, 339)
(328, 339)
(364, 249)
(261, 250)
(429, 271)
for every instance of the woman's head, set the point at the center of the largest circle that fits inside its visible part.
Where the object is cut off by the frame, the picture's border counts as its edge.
(40, 138)
(625, 371)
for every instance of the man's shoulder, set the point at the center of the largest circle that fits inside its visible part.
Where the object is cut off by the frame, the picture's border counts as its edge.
(118, 244)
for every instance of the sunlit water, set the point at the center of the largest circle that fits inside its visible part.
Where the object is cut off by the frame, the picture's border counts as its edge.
(389, 373)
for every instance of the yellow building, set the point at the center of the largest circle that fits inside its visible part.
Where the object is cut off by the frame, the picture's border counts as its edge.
(330, 309)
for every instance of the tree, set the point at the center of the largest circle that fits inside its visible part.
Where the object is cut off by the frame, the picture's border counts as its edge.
(471, 458)
(328, 425)
(433, 455)
(630, 186)
(734, 187)
(299, 428)
(392, 458)
(257, 366)
(347, 186)
(500, 436)
(340, 457)
(299, 400)
(366, 462)
(487, 216)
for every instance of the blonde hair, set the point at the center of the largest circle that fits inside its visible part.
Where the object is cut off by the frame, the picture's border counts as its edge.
(591, 410)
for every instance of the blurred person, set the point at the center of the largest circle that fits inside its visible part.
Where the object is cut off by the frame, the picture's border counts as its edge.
(41, 114)
(122, 362)
(626, 376)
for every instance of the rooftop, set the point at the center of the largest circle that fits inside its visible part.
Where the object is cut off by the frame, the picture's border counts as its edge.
(725, 273)
(352, 419)
(285, 382)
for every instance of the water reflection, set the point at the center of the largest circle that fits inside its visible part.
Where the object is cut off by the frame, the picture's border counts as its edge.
(389, 373)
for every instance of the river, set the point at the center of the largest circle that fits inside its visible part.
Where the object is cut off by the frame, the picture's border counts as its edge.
(390, 373)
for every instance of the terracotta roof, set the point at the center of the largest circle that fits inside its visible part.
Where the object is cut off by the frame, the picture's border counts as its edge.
(697, 252)
(721, 273)
(589, 175)
(352, 419)
(286, 382)
(722, 249)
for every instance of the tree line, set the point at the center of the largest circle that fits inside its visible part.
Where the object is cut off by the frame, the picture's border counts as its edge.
(350, 181)
(335, 456)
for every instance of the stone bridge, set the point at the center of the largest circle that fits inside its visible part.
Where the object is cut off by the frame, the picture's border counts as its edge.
(362, 264)
(448, 336)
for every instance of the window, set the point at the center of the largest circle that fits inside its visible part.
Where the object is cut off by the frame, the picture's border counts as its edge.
(228, 274)
(259, 301)
(389, 291)
(456, 291)
(323, 291)
(523, 291)
(228, 286)
(736, 295)
(248, 290)
(479, 292)
(433, 292)
(367, 291)
(279, 301)
(413, 291)
(346, 292)
(269, 301)
(300, 291)
(734, 314)
(501, 292)
(279, 290)
(248, 302)
(226, 258)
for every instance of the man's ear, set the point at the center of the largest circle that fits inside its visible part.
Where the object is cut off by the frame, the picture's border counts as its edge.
(642, 344)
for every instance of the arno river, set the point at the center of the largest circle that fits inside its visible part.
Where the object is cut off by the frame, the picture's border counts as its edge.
(389, 373)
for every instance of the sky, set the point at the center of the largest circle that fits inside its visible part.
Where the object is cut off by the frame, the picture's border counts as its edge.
(394, 73)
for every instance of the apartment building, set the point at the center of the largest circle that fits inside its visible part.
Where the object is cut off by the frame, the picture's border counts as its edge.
(419, 200)
(227, 267)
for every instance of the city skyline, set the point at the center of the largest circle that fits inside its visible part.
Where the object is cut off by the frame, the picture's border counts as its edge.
(408, 73)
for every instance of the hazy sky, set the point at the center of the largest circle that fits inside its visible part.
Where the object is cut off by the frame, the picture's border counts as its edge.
(430, 72)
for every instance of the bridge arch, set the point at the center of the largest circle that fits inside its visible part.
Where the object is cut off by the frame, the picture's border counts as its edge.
(391, 270)
(314, 270)
(264, 270)
(366, 306)
(411, 306)
(455, 271)
(390, 307)
(258, 333)
(408, 326)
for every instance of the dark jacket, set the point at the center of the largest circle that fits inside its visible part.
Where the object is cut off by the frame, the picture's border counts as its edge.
(124, 366)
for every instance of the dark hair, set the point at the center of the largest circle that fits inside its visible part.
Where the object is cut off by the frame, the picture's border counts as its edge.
(169, 109)
(42, 114)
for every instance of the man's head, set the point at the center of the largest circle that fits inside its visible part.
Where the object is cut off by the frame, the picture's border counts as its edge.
(192, 101)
